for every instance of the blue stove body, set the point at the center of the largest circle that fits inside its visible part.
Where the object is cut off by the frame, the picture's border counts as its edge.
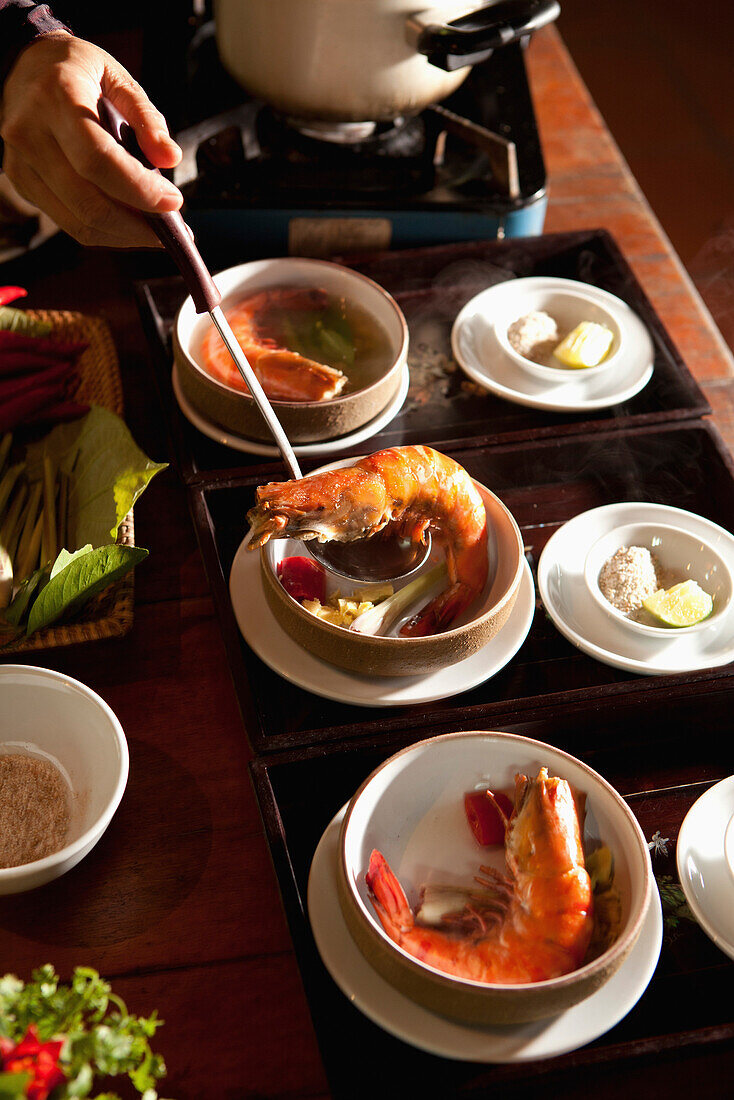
(256, 187)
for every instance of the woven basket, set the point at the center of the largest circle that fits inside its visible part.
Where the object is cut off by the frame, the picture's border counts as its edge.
(110, 614)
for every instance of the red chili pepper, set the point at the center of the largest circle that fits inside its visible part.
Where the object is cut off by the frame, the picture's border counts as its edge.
(47, 344)
(484, 811)
(53, 372)
(55, 414)
(303, 578)
(28, 403)
(40, 1060)
(11, 293)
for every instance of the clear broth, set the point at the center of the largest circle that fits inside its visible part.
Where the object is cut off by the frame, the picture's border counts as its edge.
(339, 334)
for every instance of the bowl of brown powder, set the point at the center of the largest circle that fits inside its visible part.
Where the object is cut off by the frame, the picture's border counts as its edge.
(63, 771)
(629, 564)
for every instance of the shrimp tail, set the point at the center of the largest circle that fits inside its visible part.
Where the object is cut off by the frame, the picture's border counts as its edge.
(440, 612)
(388, 897)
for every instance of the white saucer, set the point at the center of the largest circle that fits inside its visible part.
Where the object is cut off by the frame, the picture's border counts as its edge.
(576, 614)
(478, 352)
(394, 1012)
(303, 450)
(280, 652)
(702, 868)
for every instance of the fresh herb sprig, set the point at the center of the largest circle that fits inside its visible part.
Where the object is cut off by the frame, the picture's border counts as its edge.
(100, 1038)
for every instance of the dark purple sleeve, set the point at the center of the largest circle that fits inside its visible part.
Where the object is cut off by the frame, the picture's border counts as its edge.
(22, 22)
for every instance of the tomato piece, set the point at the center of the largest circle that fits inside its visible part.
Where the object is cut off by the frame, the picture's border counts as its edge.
(303, 578)
(484, 817)
(11, 293)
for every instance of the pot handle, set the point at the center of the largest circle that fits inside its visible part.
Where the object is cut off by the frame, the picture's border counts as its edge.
(473, 36)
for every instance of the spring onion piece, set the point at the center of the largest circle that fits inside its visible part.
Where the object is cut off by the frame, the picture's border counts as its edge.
(49, 549)
(5, 444)
(380, 618)
(6, 577)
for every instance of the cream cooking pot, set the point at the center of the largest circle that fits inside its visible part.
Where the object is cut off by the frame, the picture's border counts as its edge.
(364, 60)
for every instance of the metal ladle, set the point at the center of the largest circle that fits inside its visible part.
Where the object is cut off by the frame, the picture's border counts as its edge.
(380, 558)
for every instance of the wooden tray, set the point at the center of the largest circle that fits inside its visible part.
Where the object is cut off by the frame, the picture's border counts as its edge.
(110, 614)
(686, 1004)
(544, 483)
(443, 406)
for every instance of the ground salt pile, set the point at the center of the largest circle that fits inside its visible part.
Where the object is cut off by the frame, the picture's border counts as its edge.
(629, 577)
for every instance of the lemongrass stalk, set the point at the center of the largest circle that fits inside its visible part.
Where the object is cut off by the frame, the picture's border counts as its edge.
(6, 577)
(48, 540)
(5, 444)
(380, 618)
(7, 483)
(62, 510)
(29, 521)
(13, 522)
(28, 561)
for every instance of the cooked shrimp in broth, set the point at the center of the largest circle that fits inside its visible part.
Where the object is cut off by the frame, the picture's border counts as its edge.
(532, 924)
(302, 343)
(412, 489)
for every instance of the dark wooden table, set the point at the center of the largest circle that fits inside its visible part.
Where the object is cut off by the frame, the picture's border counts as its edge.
(178, 904)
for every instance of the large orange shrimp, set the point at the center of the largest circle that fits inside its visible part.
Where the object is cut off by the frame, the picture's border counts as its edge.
(533, 925)
(283, 374)
(413, 488)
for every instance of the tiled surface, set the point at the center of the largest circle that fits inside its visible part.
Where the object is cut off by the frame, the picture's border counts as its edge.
(662, 79)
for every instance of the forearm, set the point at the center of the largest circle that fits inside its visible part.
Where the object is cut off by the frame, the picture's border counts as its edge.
(22, 22)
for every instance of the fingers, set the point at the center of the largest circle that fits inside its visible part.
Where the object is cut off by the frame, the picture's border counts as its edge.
(60, 156)
(149, 125)
(93, 221)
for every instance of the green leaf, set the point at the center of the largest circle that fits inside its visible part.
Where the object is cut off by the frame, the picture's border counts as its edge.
(107, 472)
(24, 597)
(66, 557)
(84, 576)
(13, 1084)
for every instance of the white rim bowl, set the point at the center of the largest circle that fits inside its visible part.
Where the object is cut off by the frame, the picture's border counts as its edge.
(47, 714)
(729, 846)
(411, 809)
(568, 307)
(237, 282)
(682, 555)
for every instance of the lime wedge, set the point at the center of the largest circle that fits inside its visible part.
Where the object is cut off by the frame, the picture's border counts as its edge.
(684, 604)
(585, 346)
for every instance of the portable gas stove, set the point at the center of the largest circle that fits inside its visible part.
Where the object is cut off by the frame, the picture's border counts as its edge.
(469, 168)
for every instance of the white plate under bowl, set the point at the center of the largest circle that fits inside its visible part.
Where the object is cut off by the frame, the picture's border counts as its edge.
(283, 655)
(303, 450)
(702, 868)
(391, 1010)
(578, 617)
(478, 352)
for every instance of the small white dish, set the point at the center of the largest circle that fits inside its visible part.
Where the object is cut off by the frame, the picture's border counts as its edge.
(702, 866)
(303, 450)
(283, 655)
(395, 1013)
(568, 601)
(568, 306)
(48, 715)
(478, 352)
(681, 555)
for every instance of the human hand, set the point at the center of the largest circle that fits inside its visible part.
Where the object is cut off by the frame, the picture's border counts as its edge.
(59, 157)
